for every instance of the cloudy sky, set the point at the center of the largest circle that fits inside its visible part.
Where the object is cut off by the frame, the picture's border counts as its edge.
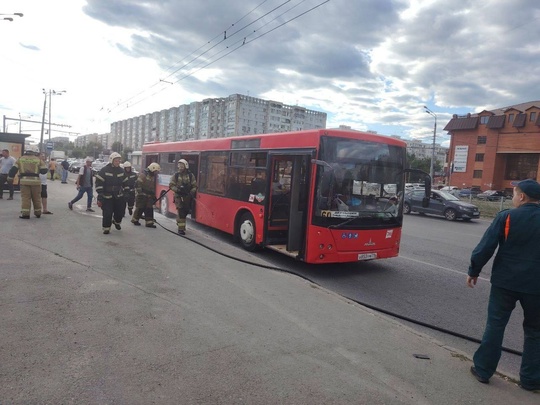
(370, 64)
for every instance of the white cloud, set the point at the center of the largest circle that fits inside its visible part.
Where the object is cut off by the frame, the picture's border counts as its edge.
(370, 67)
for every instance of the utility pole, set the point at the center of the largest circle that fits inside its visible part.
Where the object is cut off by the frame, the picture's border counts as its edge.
(431, 169)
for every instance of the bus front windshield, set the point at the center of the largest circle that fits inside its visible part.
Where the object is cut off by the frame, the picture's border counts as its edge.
(359, 184)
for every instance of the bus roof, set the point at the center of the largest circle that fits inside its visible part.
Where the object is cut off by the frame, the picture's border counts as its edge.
(282, 140)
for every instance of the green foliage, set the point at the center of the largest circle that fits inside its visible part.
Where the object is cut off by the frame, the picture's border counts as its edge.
(117, 147)
(423, 164)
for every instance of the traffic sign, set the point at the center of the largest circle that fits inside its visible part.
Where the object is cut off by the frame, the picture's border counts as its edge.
(50, 145)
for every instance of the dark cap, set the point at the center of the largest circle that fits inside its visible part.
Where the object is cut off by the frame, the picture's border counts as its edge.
(529, 187)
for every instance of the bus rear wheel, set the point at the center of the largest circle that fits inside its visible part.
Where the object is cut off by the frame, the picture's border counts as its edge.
(247, 232)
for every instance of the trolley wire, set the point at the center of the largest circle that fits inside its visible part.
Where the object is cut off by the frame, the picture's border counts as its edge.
(364, 304)
(213, 58)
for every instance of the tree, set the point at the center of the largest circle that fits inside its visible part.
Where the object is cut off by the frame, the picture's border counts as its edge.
(422, 164)
(117, 147)
(126, 153)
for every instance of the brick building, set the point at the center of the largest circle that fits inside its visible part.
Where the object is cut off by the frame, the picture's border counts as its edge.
(493, 148)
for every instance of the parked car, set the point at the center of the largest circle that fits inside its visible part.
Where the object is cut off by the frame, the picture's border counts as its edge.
(76, 166)
(441, 203)
(492, 195)
(449, 188)
(469, 192)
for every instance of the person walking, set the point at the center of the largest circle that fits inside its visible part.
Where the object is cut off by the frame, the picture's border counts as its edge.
(84, 184)
(6, 163)
(111, 184)
(52, 168)
(65, 168)
(184, 186)
(515, 276)
(145, 189)
(131, 180)
(29, 166)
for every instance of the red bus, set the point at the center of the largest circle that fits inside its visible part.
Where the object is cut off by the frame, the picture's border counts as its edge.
(320, 196)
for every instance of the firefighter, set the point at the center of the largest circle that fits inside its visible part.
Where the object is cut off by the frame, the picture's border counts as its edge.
(145, 188)
(111, 184)
(184, 185)
(131, 180)
(29, 166)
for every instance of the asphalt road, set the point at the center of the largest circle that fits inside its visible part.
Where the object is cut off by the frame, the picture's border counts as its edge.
(425, 283)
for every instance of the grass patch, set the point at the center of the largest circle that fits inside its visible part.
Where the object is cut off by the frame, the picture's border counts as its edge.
(489, 209)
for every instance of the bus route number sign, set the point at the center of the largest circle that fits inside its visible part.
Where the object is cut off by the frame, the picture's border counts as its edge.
(339, 214)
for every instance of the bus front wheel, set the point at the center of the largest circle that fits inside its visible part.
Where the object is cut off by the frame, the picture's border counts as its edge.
(247, 232)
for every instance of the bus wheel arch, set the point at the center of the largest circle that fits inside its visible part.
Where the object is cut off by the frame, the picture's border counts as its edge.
(164, 207)
(246, 231)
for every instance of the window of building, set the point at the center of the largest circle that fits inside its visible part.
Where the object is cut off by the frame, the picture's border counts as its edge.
(477, 174)
(484, 119)
(521, 166)
(532, 116)
(482, 139)
(479, 157)
(510, 118)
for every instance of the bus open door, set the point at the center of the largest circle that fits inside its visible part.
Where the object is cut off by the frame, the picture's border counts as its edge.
(288, 204)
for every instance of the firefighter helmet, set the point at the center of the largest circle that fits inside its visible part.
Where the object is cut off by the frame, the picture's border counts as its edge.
(154, 167)
(184, 162)
(114, 155)
(127, 164)
(31, 149)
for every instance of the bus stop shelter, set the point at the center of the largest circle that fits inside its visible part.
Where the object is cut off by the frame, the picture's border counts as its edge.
(15, 144)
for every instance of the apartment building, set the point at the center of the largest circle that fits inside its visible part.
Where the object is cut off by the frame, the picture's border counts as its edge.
(491, 149)
(215, 118)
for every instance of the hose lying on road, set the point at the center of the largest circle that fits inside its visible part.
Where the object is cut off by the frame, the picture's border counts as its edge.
(384, 311)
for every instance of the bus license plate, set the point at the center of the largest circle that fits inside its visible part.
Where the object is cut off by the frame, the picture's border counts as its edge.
(367, 256)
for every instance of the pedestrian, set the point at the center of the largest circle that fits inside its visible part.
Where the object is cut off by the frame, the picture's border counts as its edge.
(65, 168)
(6, 163)
(44, 195)
(184, 186)
(145, 189)
(111, 183)
(131, 181)
(29, 166)
(84, 184)
(515, 276)
(52, 168)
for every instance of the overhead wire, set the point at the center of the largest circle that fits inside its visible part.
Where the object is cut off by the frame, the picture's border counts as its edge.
(126, 101)
(211, 60)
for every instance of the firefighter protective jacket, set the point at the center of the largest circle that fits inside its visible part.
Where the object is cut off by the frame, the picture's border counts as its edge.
(111, 182)
(29, 168)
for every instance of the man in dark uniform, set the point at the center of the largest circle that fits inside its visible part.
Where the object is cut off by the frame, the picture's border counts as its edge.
(111, 183)
(515, 276)
(145, 195)
(131, 180)
(29, 166)
(184, 185)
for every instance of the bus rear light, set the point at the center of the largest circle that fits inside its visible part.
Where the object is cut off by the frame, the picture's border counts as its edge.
(330, 247)
(321, 246)
(321, 257)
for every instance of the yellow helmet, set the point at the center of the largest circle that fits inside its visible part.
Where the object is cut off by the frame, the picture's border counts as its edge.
(154, 167)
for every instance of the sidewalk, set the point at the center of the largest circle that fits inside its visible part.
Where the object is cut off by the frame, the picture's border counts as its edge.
(141, 316)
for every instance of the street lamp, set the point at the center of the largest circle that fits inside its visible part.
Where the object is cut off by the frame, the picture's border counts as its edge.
(53, 93)
(49, 93)
(431, 170)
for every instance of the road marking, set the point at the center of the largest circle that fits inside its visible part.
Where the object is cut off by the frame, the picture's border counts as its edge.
(440, 267)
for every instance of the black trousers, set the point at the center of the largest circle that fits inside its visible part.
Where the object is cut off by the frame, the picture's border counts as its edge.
(113, 209)
(3, 179)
